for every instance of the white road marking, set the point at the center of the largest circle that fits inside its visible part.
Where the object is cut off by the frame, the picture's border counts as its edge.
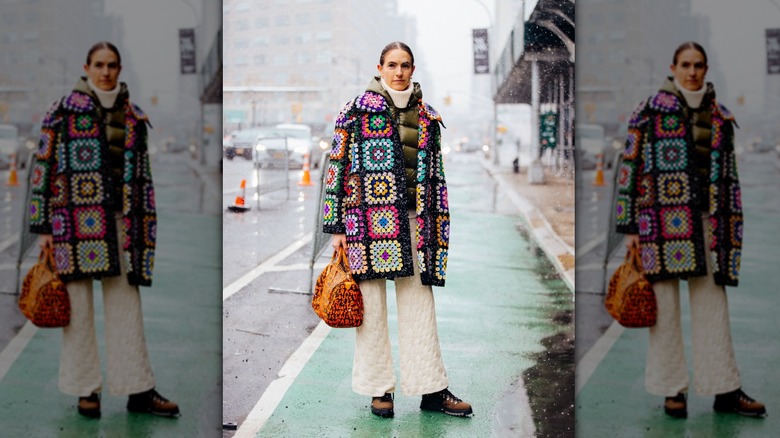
(588, 364)
(5, 244)
(262, 411)
(14, 348)
(592, 244)
(264, 267)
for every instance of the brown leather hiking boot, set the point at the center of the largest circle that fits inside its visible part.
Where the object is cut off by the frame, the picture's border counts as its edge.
(444, 401)
(676, 406)
(383, 406)
(738, 402)
(90, 406)
(151, 402)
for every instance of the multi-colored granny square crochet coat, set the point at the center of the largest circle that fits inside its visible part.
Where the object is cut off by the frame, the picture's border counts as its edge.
(71, 190)
(365, 193)
(658, 190)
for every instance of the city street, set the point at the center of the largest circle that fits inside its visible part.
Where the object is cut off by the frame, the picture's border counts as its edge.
(501, 320)
(611, 399)
(180, 316)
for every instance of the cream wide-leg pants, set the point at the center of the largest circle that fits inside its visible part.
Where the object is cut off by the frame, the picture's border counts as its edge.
(422, 369)
(128, 368)
(714, 365)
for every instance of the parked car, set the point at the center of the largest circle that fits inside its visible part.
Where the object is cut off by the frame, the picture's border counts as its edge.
(590, 141)
(9, 145)
(242, 143)
(292, 140)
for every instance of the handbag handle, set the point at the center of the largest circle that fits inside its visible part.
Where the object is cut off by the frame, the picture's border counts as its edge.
(47, 256)
(634, 258)
(341, 256)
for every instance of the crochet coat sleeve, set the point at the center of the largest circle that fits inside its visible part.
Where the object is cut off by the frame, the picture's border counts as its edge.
(43, 184)
(629, 184)
(337, 172)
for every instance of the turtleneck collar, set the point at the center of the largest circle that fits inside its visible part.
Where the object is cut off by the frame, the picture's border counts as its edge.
(400, 98)
(692, 97)
(106, 98)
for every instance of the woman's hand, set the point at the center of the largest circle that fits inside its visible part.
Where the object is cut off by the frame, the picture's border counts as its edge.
(632, 240)
(339, 240)
(45, 240)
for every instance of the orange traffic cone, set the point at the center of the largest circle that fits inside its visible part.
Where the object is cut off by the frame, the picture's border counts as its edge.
(306, 178)
(599, 181)
(240, 204)
(13, 179)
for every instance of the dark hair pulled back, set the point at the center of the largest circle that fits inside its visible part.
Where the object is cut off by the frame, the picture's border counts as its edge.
(689, 45)
(103, 45)
(395, 45)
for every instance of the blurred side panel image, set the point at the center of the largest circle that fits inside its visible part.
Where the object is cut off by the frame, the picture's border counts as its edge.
(110, 244)
(678, 166)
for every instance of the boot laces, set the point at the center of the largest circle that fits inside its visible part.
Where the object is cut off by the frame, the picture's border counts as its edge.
(448, 396)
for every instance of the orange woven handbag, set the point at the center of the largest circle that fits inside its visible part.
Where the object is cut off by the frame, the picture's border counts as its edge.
(337, 299)
(44, 299)
(630, 298)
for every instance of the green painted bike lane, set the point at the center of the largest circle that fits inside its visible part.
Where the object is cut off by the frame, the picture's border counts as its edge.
(614, 402)
(492, 316)
(182, 320)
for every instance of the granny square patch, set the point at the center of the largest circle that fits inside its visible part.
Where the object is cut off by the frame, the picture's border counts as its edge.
(385, 256)
(356, 254)
(87, 188)
(380, 188)
(735, 198)
(339, 146)
(37, 213)
(383, 222)
(717, 133)
(92, 255)
(378, 154)
(371, 102)
(353, 191)
(333, 177)
(354, 225)
(148, 192)
(626, 177)
(674, 188)
(419, 232)
(666, 102)
(61, 225)
(82, 126)
(150, 231)
(676, 223)
(442, 200)
(679, 256)
(46, 143)
(735, 260)
(735, 225)
(646, 189)
(423, 133)
(651, 258)
(90, 222)
(440, 269)
(648, 225)
(440, 166)
(330, 210)
(632, 144)
(147, 264)
(39, 182)
(63, 258)
(376, 126)
(131, 133)
(421, 261)
(443, 230)
(623, 210)
(420, 199)
(670, 154)
(128, 168)
(669, 125)
(421, 168)
(84, 154)
(78, 102)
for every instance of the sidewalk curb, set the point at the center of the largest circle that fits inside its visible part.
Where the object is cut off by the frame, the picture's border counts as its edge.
(557, 251)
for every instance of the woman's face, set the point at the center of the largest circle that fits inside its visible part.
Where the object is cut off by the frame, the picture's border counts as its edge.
(103, 69)
(690, 69)
(397, 69)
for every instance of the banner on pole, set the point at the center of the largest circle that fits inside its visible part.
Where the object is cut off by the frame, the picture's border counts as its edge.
(548, 130)
(773, 51)
(481, 48)
(187, 51)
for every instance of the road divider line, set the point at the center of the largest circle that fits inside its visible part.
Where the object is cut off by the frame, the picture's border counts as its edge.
(264, 267)
(591, 360)
(591, 245)
(14, 348)
(273, 395)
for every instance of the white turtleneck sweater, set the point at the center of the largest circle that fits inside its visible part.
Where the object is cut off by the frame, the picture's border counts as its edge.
(400, 98)
(692, 97)
(107, 98)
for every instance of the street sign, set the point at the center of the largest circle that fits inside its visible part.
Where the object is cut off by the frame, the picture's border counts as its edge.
(234, 115)
(187, 51)
(773, 51)
(548, 130)
(481, 47)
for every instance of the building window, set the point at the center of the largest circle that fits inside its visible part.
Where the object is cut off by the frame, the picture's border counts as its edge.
(302, 19)
(241, 44)
(261, 22)
(282, 40)
(282, 20)
(325, 35)
(259, 59)
(281, 59)
(262, 41)
(302, 38)
(324, 57)
(325, 17)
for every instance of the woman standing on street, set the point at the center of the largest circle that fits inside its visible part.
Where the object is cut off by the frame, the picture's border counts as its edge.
(679, 201)
(386, 204)
(93, 202)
